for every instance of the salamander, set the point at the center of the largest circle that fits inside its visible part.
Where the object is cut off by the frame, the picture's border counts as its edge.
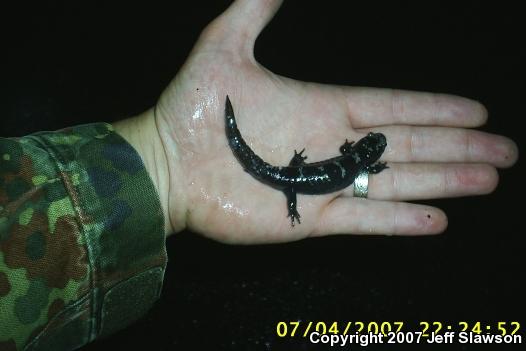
(320, 177)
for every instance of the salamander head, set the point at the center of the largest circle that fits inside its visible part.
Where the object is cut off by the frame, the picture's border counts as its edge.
(370, 147)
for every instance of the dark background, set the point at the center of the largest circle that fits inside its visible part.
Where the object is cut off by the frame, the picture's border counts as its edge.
(75, 62)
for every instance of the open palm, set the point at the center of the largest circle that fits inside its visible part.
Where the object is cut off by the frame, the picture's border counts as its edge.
(429, 152)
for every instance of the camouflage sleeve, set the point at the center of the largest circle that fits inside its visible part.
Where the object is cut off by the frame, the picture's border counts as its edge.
(82, 246)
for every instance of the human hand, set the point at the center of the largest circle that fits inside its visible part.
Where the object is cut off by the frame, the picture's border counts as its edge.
(431, 152)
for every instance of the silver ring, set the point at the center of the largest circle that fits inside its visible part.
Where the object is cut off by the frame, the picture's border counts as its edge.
(361, 184)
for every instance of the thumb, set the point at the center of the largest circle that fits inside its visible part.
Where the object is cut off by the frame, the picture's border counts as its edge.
(239, 26)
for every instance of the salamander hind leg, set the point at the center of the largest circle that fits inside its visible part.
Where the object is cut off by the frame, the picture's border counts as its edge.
(290, 193)
(297, 159)
(377, 167)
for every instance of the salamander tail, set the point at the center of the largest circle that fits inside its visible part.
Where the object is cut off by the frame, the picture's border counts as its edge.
(231, 124)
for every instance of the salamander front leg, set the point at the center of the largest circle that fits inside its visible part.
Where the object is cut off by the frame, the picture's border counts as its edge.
(346, 148)
(290, 193)
(377, 167)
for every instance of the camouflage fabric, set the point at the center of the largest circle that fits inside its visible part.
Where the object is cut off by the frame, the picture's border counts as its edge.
(82, 246)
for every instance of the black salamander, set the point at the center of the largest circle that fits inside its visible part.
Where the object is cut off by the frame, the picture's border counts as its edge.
(308, 178)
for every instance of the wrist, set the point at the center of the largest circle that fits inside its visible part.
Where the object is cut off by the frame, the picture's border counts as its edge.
(141, 132)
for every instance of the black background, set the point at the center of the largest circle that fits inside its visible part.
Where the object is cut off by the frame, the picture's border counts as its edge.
(76, 62)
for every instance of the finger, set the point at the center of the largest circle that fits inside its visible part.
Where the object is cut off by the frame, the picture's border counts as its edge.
(444, 144)
(364, 216)
(370, 107)
(403, 182)
(240, 25)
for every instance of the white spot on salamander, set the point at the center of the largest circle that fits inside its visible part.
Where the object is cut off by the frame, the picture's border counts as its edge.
(356, 158)
(342, 169)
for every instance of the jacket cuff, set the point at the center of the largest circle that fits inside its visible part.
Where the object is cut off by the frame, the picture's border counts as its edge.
(121, 228)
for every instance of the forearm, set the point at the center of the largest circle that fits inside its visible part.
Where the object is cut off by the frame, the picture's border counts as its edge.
(141, 132)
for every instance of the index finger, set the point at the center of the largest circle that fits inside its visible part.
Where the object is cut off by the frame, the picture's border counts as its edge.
(372, 107)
